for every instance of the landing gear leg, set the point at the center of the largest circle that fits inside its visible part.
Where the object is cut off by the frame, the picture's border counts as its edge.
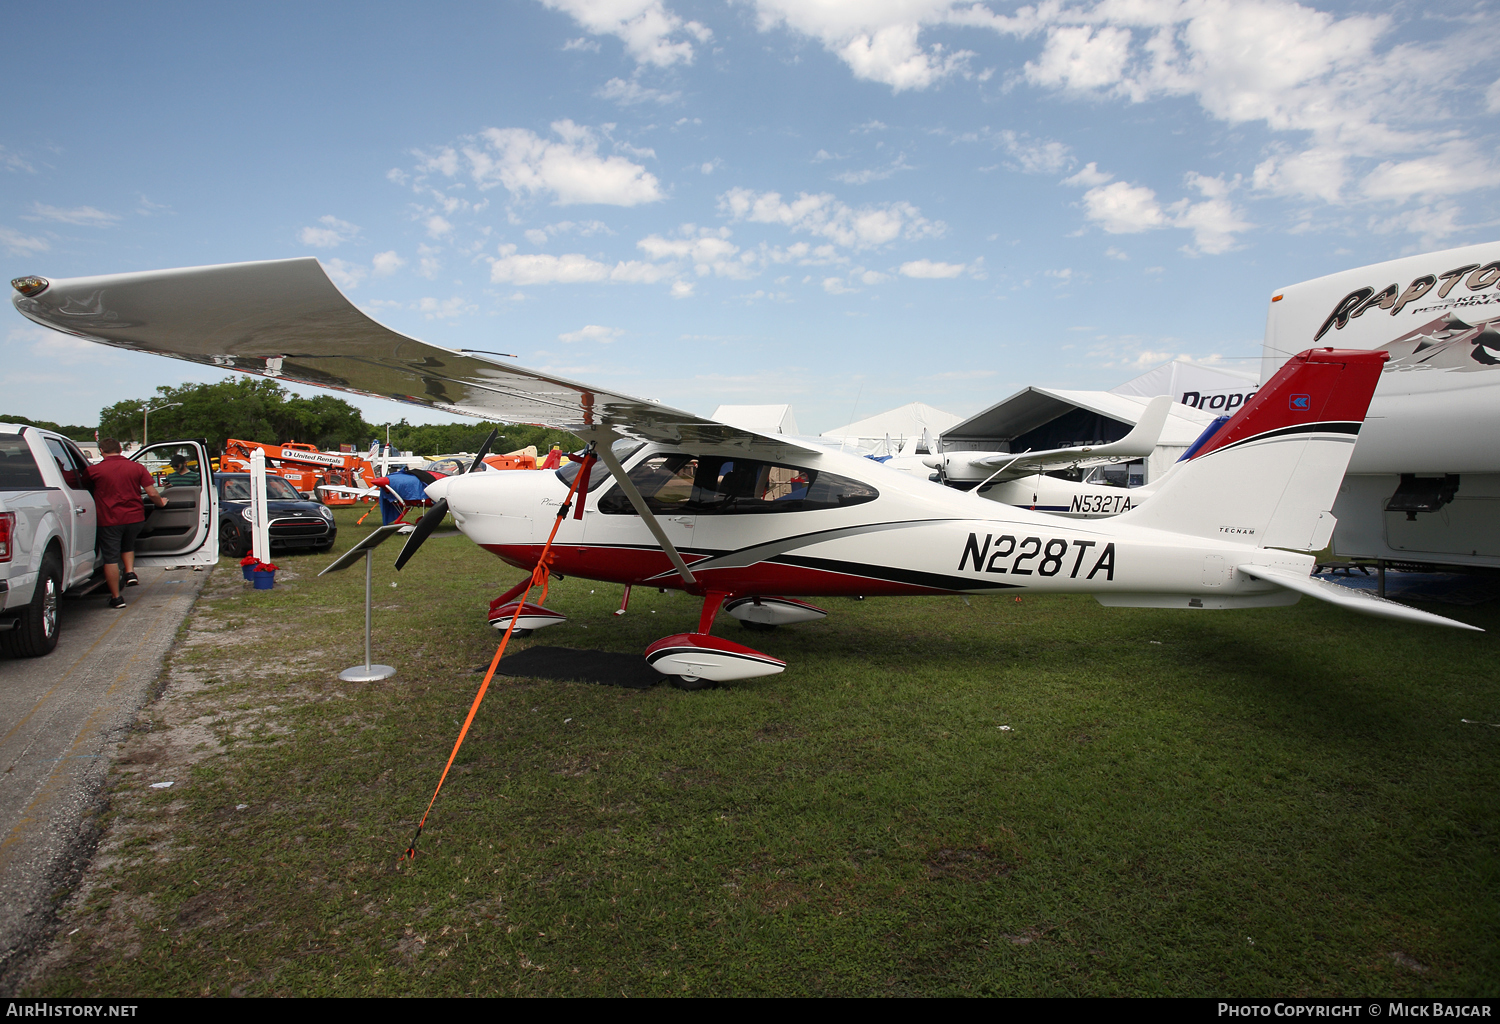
(712, 602)
(624, 601)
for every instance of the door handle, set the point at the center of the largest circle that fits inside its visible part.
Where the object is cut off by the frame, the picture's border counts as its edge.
(79, 510)
(682, 520)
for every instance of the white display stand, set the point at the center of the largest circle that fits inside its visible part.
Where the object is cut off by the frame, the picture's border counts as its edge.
(260, 519)
(366, 673)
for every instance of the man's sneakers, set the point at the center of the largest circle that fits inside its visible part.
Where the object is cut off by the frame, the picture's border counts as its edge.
(117, 603)
(130, 580)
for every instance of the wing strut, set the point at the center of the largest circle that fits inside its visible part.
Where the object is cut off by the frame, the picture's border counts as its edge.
(606, 452)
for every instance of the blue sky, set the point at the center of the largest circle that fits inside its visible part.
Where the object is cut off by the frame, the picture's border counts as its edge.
(841, 205)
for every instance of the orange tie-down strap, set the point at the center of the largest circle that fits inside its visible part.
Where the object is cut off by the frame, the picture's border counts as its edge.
(539, 576)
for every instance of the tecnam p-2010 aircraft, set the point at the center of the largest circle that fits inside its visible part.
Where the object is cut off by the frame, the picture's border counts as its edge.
(750, 522)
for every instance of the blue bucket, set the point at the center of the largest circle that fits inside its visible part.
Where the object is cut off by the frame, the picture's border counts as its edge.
(264, 580)
(249, 570)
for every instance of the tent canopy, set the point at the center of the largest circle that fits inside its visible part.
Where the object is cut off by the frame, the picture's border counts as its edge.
(901, 422)
(1105, 414)
(763, 419)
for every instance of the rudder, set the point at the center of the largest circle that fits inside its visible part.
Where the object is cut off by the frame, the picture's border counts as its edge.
(1269, 476)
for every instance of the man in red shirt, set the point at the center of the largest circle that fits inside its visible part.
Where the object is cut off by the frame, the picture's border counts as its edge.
(117, 485)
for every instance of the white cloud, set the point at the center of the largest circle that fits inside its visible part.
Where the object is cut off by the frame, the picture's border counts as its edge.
(632, 92)
(874, 174)
(345, 275)
(387, 263)
(333, 232)
(836, 286)
(1431, 223)
(1357, 104)
(709, 251)
(428, 265)
(1035, 156)
(878, 41)
(592, 332)
(1088, 177)
(651, 33)
(22, 245)
(1455, 168)
(864, 227)
(437, 226)
(80, 216)
(570, 268)
(587, 45)
(1124, 209)
(568, 168)
(14, 162)
(57, 348)
(1081, 58)
(682, 289)
(1214, 221)
(447, 309)
(536, 236)
(931, 270)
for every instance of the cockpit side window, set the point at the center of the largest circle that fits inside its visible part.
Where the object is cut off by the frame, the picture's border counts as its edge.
(722, 485)
(665, 481)
(736, 486)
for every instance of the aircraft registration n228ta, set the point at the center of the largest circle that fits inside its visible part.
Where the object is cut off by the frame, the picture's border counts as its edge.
(753, 522)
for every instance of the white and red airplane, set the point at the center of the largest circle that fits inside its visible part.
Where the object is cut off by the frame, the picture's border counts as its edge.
(751, 522)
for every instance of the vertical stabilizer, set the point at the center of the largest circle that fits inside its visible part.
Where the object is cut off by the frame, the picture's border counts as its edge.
(1269, 476)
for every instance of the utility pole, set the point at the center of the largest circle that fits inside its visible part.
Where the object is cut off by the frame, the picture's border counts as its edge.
(146, 420)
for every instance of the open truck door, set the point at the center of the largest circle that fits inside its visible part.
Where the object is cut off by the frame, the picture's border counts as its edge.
(186, 531)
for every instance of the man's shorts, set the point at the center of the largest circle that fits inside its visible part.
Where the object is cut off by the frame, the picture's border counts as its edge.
(114, 539)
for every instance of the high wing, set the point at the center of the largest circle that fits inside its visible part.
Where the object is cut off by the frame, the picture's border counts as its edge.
(347, 492)
(1138, 444)
(285, 319)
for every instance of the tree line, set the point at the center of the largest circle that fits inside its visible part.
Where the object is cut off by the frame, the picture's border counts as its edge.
(257, 409)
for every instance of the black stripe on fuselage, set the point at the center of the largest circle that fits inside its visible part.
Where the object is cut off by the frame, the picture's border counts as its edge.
(892, 574)
(1350, 427)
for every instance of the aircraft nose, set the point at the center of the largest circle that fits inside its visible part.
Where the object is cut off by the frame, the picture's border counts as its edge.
(438, 489)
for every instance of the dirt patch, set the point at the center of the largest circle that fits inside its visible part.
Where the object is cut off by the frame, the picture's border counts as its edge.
(979, 864)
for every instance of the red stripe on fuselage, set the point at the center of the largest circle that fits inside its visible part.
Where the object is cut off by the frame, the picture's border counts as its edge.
(637, 566)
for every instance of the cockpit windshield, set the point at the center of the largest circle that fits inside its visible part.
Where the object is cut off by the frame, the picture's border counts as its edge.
(623, 449)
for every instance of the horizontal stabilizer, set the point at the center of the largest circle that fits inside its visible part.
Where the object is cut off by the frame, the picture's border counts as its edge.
(1356, 600)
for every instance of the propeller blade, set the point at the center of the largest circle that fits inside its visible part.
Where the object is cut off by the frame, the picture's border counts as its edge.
(424, 528)
(484, 450)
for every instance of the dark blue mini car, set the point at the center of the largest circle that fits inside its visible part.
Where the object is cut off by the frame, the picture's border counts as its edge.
(297, 525)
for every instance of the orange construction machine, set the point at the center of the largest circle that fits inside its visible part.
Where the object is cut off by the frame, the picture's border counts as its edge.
(303, 466)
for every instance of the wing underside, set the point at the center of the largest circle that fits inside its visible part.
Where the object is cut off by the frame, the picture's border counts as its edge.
(286, 320)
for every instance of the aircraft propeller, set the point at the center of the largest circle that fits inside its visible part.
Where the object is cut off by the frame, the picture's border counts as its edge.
(430, 520)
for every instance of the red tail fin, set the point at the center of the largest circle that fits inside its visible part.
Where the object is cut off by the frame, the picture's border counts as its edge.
(1322, 389)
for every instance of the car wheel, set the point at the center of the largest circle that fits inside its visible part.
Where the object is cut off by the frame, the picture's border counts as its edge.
(232, 540)
(36, 633)
(692, 682)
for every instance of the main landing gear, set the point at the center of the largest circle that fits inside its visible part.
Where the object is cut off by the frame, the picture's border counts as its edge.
(690, 661)
(696, 661)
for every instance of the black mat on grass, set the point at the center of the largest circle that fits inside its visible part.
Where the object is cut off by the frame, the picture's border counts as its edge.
(568, 665)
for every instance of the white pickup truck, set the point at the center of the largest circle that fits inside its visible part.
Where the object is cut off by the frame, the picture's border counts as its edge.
(48, 526)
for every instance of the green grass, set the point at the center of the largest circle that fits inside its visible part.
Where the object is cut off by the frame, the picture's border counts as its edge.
(1270, 802)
